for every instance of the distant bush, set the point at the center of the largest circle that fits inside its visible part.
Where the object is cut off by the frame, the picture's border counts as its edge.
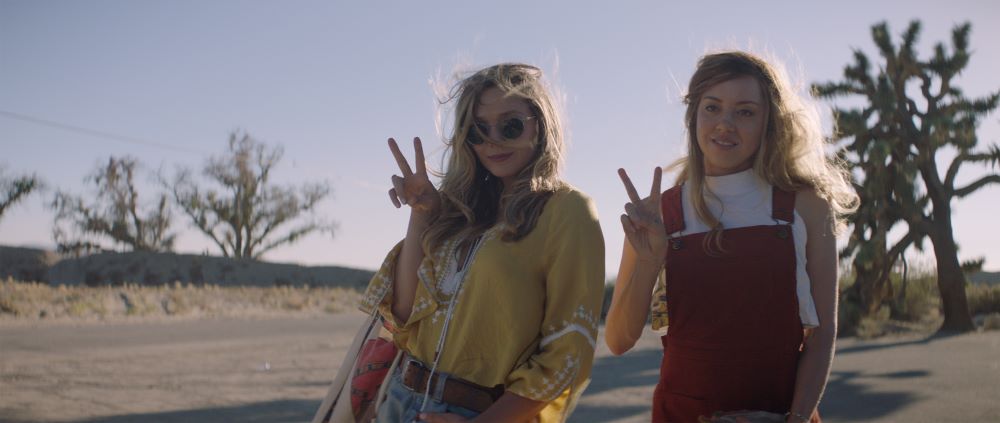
(983, 299)
(33, 300)
(916, 301)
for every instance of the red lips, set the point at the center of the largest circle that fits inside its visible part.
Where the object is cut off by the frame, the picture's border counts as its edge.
(499, 157)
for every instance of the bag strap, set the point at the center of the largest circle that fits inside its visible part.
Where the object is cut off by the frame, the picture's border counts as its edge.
(342, 379)
(782, 205)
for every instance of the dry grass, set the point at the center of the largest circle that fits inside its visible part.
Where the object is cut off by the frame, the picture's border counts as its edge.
(916, 306)
(32, 301)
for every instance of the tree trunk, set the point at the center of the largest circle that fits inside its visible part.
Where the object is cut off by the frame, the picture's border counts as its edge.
(870, 290)
(951, 283)
(950, 279)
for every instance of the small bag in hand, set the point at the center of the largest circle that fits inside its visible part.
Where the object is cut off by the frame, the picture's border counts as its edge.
(744, 416)
(377, 357)
(358, 388)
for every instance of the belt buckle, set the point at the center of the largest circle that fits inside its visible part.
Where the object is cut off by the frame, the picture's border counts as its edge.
(439, 383)
(403, 372)
(439, 379)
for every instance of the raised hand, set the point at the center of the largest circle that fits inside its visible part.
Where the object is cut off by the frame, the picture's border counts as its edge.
(642, 221)
(413, 188)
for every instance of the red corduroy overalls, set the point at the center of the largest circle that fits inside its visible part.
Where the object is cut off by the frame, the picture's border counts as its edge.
(735, 334)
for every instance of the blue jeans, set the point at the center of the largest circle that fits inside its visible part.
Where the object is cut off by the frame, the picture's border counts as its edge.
(402, 404)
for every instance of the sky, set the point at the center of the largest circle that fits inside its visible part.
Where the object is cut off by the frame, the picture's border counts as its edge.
(166, 82)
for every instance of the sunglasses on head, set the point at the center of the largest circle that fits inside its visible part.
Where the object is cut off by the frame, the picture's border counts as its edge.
(510, 129)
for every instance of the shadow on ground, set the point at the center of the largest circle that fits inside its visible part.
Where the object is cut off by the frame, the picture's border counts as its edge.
(261, 412)
(848, 396)
(635, 369)
(872, 346)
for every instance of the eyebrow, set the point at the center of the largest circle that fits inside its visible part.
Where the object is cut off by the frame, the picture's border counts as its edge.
(708, 97)
(511, 112)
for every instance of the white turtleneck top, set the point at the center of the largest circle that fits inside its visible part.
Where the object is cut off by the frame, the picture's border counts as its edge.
(746, 201)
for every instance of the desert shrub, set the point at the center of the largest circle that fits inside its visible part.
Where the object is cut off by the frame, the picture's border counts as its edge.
(295, 301)
(873, 326)
(8, 306)
(992, 322)
(174, 303)
(848, 306)
(848, 315)
(27, 300)
(916, 299)
(983, 299)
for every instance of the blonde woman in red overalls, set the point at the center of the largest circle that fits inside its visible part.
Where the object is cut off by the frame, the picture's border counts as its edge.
(738, 260)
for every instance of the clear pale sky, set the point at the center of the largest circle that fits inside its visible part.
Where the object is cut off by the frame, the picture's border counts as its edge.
(330, 81)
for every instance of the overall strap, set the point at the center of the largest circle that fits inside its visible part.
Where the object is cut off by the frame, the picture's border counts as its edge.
(673, 212)
(783, 205)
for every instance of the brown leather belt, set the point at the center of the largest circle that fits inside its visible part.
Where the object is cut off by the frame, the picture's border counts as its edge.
(447, 388)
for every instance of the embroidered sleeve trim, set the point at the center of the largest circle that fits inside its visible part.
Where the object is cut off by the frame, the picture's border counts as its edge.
(570, 329)
(549, 388)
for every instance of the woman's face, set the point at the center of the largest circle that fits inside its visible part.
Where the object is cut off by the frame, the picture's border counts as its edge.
(731, 118)
(504, 158)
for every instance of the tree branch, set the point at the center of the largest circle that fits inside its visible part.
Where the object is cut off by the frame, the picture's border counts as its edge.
(981, 182)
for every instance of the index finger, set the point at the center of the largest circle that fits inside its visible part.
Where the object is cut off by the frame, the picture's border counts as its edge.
(629, 188)
(419, 156)
(400, 160)
(654, 192)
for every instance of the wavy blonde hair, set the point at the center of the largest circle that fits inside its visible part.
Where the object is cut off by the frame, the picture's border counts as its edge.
(472, 200)
(791, 154)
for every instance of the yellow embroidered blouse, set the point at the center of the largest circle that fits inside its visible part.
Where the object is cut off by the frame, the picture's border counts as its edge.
(526, 316)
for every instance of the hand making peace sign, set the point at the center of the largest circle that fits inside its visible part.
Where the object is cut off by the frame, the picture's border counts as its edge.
(413, 188)
(642, 221)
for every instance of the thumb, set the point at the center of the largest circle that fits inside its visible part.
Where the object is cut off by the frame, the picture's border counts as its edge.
(628, 225)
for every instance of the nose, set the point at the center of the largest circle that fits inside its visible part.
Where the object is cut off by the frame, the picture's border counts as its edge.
(725, 122)
(492, 137)
(494, 133)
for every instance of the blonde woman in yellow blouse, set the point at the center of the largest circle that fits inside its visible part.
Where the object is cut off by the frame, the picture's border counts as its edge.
(495, 293)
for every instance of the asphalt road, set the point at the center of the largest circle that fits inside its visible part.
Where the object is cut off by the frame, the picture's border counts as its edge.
(276, 370)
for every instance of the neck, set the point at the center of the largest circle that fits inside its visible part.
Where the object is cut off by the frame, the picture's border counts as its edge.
(508, 182)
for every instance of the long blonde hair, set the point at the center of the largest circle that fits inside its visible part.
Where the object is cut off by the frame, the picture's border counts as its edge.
(471, 198)
(791, 154)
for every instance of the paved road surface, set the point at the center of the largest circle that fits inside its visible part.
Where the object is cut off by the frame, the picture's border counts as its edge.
(275, 370)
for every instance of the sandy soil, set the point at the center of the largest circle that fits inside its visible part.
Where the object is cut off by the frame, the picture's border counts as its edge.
(276, 369)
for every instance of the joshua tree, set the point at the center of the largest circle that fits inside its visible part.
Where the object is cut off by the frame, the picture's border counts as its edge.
(913, 111)
(247, 216)
(15, 189)
(113, 214)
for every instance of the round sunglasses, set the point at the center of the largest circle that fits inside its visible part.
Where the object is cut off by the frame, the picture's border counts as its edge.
(510, 129)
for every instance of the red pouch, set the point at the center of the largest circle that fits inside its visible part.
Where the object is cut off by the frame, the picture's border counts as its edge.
(370, 371)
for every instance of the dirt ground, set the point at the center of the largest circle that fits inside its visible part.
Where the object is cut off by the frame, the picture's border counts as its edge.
(276, 370)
